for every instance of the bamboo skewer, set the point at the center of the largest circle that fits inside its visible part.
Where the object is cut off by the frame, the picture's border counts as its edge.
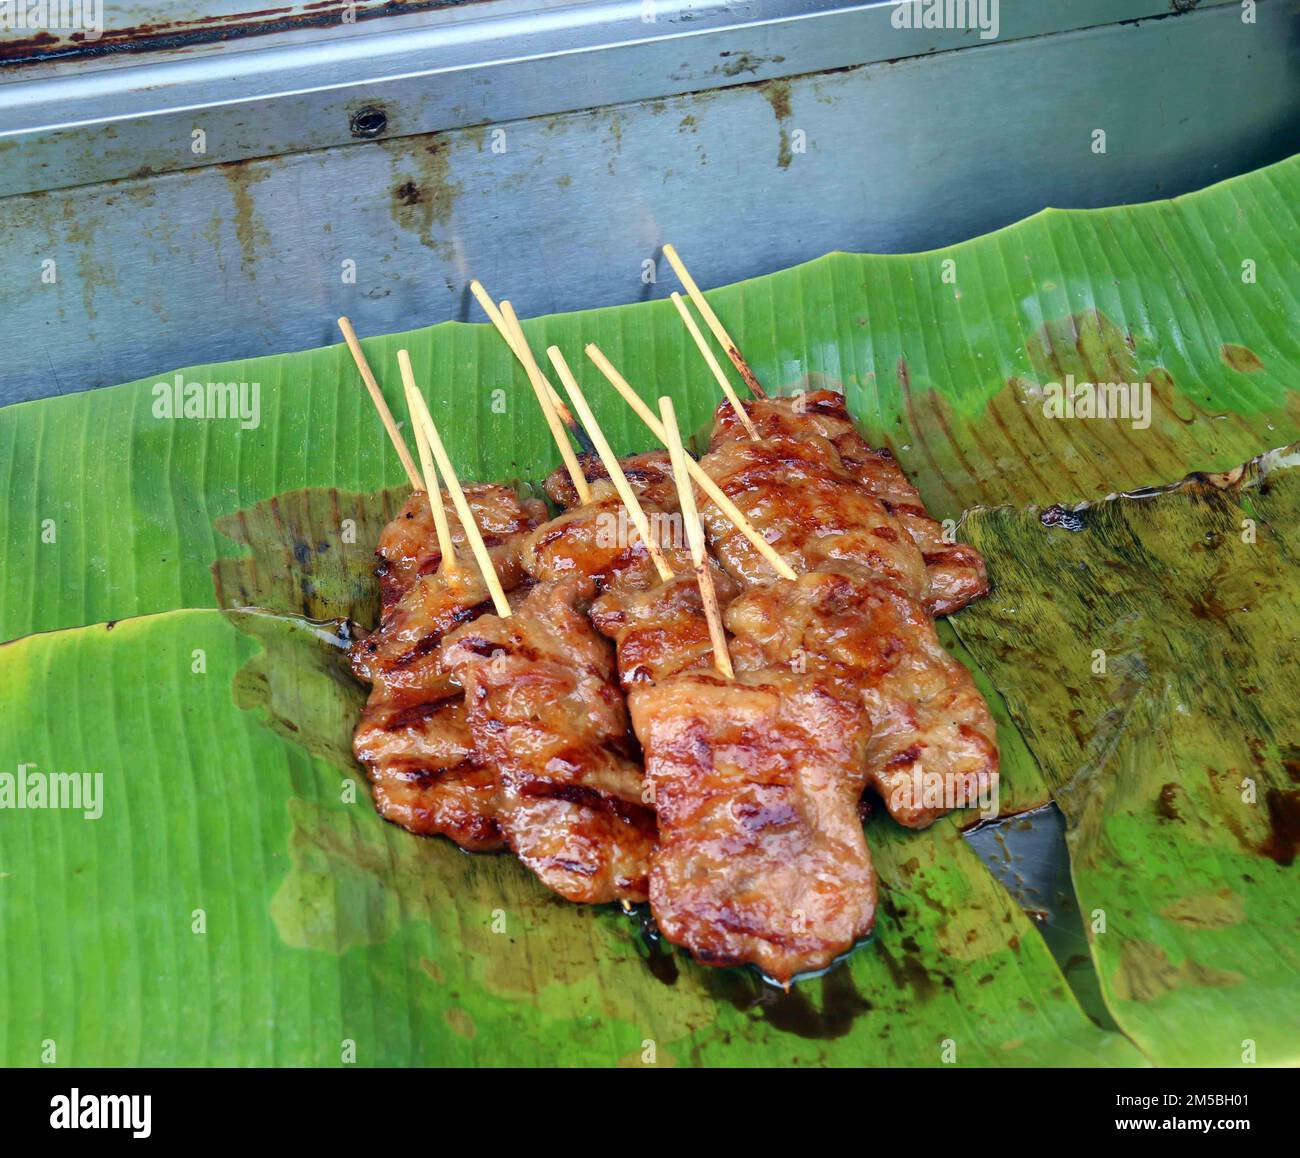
(431, 489)
(513, 338)
(510, 320)
(718, 373)
(377, 396)
(697, 472)
(610, 459)
(695, 536)
(472, 536)
(706, 312)
(552, 418)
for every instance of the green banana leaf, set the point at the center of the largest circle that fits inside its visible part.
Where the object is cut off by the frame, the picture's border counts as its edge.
(1154, 658)
(948, 373)
(240, 902)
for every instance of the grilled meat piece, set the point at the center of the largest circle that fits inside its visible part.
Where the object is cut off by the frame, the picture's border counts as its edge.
(797, 492)
(413, 738)
(649, 473)
(401, 654)
(660, 631)
(408, 546)
(599, 540)
(956, 571)
(546, 712)
(761, 857)
(933, 737)
(933, 744)
(425, 773)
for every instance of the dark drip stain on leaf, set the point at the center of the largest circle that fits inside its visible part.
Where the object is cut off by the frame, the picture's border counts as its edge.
(1284, 825)
(1152, 674)
(1167, 803)
(796, 1012)
(311, 553)
(300, 685)
(1146, 973)
(1240, 358)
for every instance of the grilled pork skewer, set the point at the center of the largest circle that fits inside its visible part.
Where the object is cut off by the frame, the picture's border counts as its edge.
(955, 572)
(543, 698)
(413, 737)
(933, 740)
(756, 779)
(546, 711)
(761, 857)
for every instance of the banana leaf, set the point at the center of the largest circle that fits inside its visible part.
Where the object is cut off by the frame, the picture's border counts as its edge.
(239, 902)
(1149, 654)
(944, 357)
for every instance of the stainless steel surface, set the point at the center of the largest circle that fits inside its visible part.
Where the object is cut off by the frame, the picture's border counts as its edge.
(242, 259)
(432, 71)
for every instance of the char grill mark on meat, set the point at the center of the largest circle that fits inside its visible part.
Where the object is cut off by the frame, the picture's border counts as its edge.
(424, 772)
(546, 713)
(649, 473)
(933, 739)
(408, 546)
(413, 737)
(761, 857)
(548, 663)
(956, 571)
(797, 492)
(660, 631)
(933, 742)
(402, 652)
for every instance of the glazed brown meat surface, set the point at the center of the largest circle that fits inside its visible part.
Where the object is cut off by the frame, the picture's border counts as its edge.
(573, 811)
(544, 707)
(797, 492)
(408, 545)
(649, 473)
(933, 744)
(599, 540)
(402, 652)
(761, 858)
(424, 771)
(933, 736)
(413, 738)
(660, 631)
(956, 571)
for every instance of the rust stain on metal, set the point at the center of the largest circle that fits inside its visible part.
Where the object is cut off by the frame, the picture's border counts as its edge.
(738, 62)
(92, 273)
(423, 194)
(180, 35)
(249, 231)
(777, 94)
